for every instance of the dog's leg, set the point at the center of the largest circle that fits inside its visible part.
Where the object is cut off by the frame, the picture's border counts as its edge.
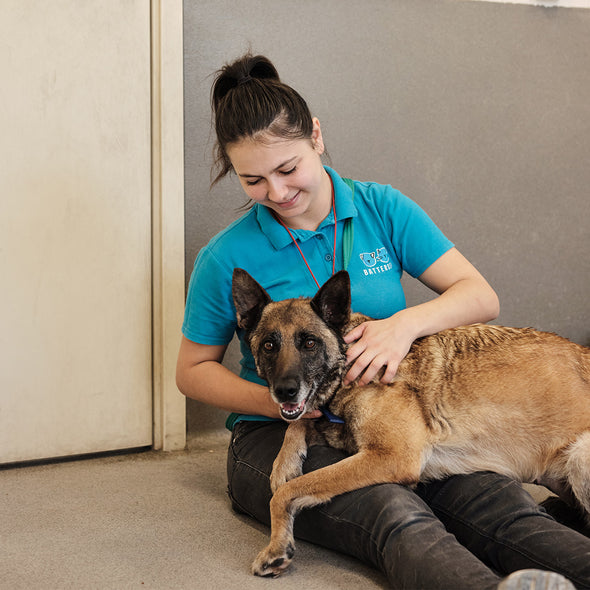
(318, 487)
(578, 471)
(290, 459)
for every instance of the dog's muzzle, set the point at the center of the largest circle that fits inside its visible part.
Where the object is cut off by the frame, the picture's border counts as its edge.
(287, 393)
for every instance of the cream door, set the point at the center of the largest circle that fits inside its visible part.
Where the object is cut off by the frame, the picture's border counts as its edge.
(75, 228)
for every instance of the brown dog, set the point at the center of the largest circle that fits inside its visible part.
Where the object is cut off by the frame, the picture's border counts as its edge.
(477, 398)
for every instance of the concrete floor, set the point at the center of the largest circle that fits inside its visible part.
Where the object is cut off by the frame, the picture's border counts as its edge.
(149, 520)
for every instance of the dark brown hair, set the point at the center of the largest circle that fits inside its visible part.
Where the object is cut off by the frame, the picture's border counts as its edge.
(248, 98)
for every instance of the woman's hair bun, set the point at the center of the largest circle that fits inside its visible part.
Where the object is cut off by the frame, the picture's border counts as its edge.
(260, 67)
(241, 72)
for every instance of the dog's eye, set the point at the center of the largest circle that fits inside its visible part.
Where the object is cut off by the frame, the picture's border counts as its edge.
(269, 346)
(309, 343)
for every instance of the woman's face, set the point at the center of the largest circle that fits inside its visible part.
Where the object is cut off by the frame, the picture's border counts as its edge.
(285, 175)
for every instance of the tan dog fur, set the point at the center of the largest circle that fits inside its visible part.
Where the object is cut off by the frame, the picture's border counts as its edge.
(476, 398)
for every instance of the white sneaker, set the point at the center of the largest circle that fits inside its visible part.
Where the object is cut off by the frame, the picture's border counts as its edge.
(535, 580)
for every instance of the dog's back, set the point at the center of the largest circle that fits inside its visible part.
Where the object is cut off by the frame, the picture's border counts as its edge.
(483, 364)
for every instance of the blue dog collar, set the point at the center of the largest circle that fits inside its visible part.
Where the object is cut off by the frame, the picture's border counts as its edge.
(331, 417)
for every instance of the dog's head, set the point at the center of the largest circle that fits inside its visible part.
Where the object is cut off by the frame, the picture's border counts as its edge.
(296, 343)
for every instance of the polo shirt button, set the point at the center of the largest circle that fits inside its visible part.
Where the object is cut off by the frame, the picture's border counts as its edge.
(328, 257)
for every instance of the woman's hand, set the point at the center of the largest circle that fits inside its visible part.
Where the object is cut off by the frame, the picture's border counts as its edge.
(378, 344)
(465, 298)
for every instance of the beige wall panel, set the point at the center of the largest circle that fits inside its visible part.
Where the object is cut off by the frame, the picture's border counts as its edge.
(75, 228)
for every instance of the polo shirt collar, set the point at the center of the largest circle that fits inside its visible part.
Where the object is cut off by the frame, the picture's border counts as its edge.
(280, 238)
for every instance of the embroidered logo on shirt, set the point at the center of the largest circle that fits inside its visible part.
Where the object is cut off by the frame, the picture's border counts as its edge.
(376, 262)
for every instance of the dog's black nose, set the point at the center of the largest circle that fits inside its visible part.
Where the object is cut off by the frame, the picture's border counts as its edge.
(286, 389)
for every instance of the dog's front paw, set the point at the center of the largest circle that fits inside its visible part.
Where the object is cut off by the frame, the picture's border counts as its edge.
(272, 563)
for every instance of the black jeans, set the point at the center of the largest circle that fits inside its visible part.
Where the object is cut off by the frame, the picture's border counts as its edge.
(465, 532)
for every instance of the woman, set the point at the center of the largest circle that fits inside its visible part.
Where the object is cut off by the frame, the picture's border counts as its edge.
(290, 241)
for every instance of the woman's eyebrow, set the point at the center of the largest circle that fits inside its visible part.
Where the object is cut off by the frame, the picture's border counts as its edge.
(282, 165)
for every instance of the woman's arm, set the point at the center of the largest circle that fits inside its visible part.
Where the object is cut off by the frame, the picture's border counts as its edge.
(465, 297)
(201, 376)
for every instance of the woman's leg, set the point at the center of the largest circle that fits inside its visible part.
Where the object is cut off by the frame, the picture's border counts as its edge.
(387, 526)
(574, 518)
(496, 519)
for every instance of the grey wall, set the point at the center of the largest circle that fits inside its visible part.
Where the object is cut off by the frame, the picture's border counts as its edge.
(478, 111)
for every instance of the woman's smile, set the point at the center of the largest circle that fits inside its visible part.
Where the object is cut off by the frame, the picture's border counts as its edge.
(289, 203)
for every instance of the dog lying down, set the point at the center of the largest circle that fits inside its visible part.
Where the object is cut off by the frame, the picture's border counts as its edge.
(476, 398)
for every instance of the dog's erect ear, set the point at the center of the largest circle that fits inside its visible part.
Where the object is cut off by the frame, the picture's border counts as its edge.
(249, 298)
(332, 301)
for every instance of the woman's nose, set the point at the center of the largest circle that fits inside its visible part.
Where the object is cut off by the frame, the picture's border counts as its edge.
(277, 191)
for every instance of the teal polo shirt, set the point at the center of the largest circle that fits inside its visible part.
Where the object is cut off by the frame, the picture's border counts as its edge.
(392, 235)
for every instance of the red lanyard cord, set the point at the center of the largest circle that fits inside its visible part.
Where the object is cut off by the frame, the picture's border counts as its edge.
(297, 245)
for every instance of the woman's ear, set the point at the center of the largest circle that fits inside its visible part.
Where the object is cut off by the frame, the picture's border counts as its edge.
(316, 137)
